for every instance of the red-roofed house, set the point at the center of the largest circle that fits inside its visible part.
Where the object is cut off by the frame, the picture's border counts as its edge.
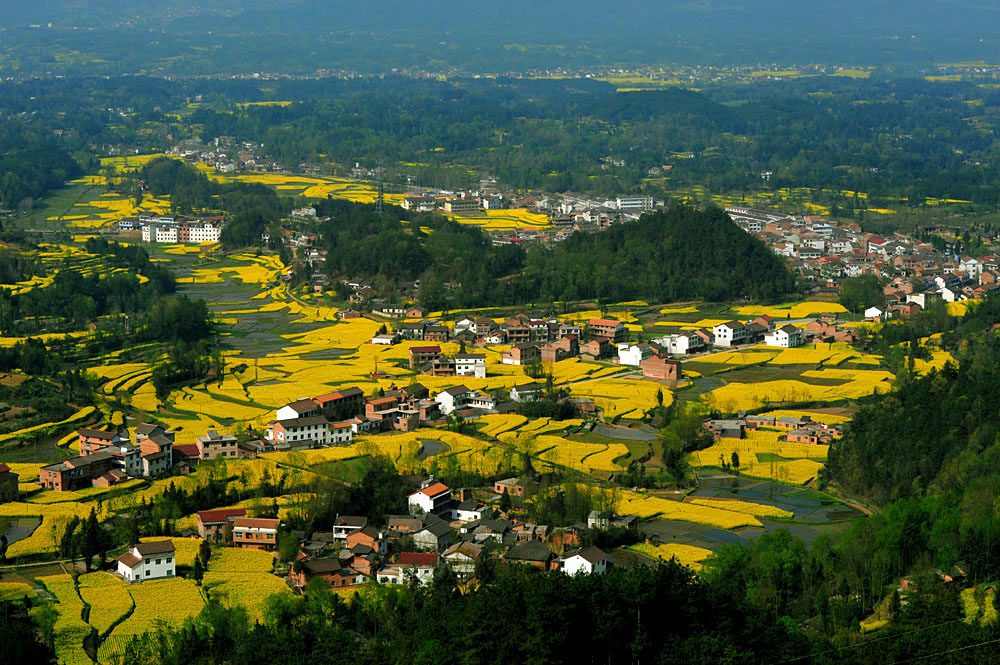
(186, 453)
(429, 499)
(8, 484)
(419, 565)
(256, 534)
(218, 524)
(420, 355)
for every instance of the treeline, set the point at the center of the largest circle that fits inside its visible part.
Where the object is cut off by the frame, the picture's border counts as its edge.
(679, 254)
(646, 614)
(656, 614)
(251, 207)
(16, 266)
(27, 174)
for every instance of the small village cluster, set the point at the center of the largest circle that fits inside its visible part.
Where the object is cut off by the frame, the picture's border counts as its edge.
(798, 429)
(825, 252)
(442, 528)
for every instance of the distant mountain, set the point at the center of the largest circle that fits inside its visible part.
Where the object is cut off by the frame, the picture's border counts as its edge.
(560, 19)
(568, 32)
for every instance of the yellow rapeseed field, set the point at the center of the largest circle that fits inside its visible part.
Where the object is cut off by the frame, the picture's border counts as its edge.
(643, 506)
(157, 602)
(15, 591)
(108, 598)
(687, 555)
(251, 590)
(70, 629)
(236, 560)
(792, 311)
(748, 507)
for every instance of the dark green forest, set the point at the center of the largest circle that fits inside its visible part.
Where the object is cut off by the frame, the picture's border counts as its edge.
(655, 614)
(889, 136)
(683, 253)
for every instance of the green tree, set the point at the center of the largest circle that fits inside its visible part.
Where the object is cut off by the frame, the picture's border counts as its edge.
(861, 292)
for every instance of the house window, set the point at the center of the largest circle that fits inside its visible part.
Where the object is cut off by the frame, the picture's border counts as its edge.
(147, 573)
(158, 562)
(170, 560)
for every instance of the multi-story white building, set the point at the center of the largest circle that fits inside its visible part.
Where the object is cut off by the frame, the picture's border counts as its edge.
(633, 354)
(433, 496)
(682, 343)
(204, 233)
(317, 429)
(786, 337)
(147, 561)
(731, 333)
(634, 203)
(471, 364)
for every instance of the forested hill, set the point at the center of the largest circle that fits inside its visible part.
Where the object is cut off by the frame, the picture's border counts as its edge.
(929, 452)
(933, 433)
(682, 253)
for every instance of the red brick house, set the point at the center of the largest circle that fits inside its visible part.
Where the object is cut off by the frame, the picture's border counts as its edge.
(613, 329)
(595, 349)
(77, 473)
(421, 355)
(218, 524)
(567, 347)
(531, 553)
(521, 354)
(802, 436)
(330, 570)
(95, 440)
(655, 367)
(367, 536)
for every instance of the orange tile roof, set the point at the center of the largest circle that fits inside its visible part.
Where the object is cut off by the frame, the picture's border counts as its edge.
(433, 490)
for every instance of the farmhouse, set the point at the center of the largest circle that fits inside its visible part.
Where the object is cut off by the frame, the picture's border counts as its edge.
(217, 525)
(255, 534)
(147, 561)
(786, 337)
(587, 561)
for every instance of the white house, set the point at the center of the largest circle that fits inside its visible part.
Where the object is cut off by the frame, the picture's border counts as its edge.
(731, 333)
(386, 339)
(428, 499)
(300, 408)
(681, 343)
(147, 561)
(418, 565)
(587, 561)
(952, 294)
(634, 354)
(205, 232)
(166, 234)
(471, 364)
(526, 393)
(457, 398)
(875, 314)
(786, 337)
